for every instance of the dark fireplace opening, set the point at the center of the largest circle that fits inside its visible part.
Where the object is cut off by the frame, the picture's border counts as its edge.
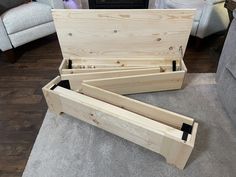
(118, 4)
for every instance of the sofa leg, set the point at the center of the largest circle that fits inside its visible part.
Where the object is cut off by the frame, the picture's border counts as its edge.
(11, 55)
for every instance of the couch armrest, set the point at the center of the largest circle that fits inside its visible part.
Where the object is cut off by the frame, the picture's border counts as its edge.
(5, 43)
(55, 4)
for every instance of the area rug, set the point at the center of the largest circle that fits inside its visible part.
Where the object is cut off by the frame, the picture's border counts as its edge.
(68, 147)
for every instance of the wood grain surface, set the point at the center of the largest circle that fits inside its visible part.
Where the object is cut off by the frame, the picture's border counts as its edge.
(123, 33)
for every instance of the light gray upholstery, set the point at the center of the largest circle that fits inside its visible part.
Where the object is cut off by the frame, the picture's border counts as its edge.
(211, 16)
(26, 16)
(5, 43)
(27, 22)
(214, 1)
(36, 32)
(226, 73)
(55, 4)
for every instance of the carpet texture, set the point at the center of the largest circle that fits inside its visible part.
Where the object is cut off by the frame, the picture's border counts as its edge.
(68, 147)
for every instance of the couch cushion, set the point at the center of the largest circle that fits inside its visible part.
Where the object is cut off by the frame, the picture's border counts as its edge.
(23, 37)
(6, 4)
(26, 16)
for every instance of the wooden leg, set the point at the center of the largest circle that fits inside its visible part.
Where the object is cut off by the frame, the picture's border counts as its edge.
(11, 55)
(53, 100)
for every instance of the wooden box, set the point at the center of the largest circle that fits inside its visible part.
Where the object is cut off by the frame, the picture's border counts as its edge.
(109, 40)
(110, 53)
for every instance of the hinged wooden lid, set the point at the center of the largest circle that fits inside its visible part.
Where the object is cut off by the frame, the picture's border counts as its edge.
(123, 33)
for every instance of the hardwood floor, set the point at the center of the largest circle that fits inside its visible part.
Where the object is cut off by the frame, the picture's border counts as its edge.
(22, 106)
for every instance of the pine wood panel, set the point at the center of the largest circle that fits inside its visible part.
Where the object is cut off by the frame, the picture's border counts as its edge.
(123, 33)
(155, 113)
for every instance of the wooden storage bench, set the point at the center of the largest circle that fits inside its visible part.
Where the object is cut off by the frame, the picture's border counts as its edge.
(110, 53)
(175, 144)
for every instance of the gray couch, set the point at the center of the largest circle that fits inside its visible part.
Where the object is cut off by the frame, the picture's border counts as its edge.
(22, 22)
(226, 73)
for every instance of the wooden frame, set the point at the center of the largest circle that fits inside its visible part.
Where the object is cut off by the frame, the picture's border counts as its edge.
(84, 66)
(108, 40)
(158, 77)
(170, 142)
(110, 53)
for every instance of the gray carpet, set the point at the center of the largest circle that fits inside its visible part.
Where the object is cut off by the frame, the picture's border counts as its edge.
(67, 147)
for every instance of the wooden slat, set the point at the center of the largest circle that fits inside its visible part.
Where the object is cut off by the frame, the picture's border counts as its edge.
(109, 74)
(123, 33)
(77, 79)
(81, 100)
(91, 70)
(123, 61)
(101, 65)
(140, 83)
(152, 112)
(97, 66)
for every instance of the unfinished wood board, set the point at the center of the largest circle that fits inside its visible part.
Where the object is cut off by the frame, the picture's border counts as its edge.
(77, 79)
(123, 33)
(109, 74)
(64, 69)
(140, 83)
(91, 70)
(121, 62)
(147, 110)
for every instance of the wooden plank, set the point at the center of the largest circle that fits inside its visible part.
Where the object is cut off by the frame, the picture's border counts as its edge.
(81, 100)
(147, 110)
(122, 62)
(110, 74)
(90, 70)
(140, 83)
(97, 66)
(84, 65)
(77, 79)
(143, 131)
(123, 33)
